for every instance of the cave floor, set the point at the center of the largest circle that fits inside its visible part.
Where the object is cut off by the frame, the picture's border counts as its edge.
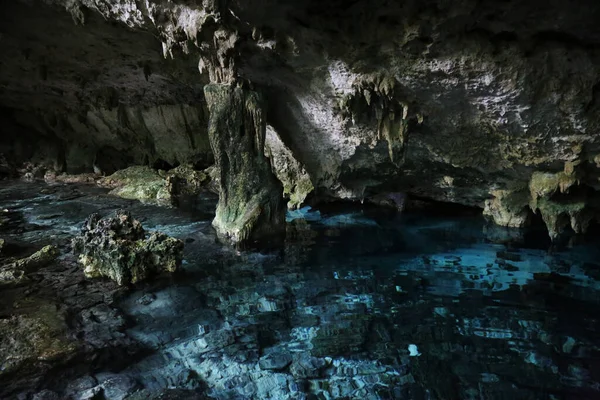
(358, 304)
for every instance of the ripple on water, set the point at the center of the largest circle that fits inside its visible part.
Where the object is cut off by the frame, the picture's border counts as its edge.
(355, 305)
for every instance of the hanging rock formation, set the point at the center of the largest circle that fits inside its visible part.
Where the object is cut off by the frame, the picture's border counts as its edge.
(251, 206)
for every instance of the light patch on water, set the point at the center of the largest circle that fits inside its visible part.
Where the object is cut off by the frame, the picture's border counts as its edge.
(413, 350)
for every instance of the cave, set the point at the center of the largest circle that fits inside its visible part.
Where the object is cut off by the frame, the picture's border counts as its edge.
(277, 199)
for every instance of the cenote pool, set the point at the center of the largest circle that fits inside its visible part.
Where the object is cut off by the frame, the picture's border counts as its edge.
(358, 304)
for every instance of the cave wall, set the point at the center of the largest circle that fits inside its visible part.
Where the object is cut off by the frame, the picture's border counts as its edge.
(74, 95)
(455, 101)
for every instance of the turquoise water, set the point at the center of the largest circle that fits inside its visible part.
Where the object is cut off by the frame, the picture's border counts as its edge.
(359, 303)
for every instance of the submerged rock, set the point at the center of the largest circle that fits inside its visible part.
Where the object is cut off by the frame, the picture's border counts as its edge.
(251, 206)
(117, 248)
(30, 341)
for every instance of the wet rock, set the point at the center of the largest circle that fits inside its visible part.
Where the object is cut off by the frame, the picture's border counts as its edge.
(117, 248)
(14, 273)
(31, 342)
(278, 360)
(156, 186)
(138, 183)
(71, 178)
(78, 386)
(185, 180)
(290, 172)
(117, 387)
(37, 260)
(507, 208)
(12, 277)
(251, 205)
(46, 395)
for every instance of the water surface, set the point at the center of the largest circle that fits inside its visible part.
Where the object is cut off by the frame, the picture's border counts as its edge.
(358, 304)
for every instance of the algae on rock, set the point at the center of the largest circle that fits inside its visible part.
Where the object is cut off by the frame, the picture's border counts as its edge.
(117, 248)
(156, 187)
(27, 341)
(138, 183)
(14, 273)
(251, 206)
(508, 208)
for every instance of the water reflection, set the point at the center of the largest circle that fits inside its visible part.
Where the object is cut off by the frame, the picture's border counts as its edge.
(361, 305)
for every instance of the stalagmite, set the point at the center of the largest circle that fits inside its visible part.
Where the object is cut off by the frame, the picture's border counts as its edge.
(251, 206)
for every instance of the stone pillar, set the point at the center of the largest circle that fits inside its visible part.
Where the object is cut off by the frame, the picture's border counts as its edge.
(251, 206)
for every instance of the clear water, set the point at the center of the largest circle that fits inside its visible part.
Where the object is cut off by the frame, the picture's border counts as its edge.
(359, 304)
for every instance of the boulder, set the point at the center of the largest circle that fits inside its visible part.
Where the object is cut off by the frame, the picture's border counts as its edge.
(118, 248)
(156, 186)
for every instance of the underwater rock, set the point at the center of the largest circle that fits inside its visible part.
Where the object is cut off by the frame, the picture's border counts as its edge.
(251, 205)
(117, 248)
(30, 342)
(275, 361)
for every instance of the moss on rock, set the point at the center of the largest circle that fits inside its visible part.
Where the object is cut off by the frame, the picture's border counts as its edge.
(251, 205)
(508, 208)
(117, 248)
(29, 340)
(139, 183)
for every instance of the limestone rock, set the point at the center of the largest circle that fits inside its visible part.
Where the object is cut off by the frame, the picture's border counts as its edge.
(447, 101)
(156, 187)
(508, 208)
(14, 273)
(138, 183)
(117, 248)
(186, 180)
(296, 181)
(28, 341)
(250, 204)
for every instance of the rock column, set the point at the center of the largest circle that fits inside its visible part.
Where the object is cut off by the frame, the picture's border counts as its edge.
(251, 206)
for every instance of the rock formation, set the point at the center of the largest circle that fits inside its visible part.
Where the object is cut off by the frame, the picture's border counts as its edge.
(117, 248)
(15, 271)
(251, 205)
(458, 101)
(156, 186)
